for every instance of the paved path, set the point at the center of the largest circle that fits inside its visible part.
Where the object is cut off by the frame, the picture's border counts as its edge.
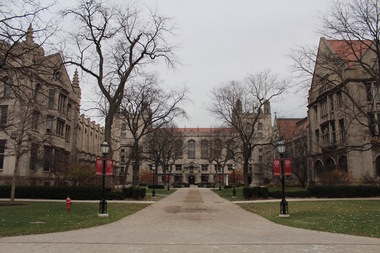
(190, 220)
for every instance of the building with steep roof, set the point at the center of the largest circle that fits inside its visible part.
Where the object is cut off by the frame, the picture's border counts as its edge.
(344, 110)
(41, 129)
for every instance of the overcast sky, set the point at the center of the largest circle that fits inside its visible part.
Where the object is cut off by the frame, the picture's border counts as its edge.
(224, 40)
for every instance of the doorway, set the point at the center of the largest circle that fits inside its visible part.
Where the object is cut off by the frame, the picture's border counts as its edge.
(191, 179)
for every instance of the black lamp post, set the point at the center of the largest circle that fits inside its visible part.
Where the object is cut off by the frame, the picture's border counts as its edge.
(283, 204)
(170, 172)
(104, 147)
(219, 178)
(153, 191)
(234, 191)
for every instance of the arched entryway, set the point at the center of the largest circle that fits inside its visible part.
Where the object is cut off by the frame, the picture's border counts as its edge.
(191, 179)
(318, 168)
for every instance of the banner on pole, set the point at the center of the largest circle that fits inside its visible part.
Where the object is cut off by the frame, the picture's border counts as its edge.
(99, 167)
(276, 167)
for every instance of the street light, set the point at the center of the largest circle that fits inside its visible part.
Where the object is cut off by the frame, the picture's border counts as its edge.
(283, 204)
(104, 148)
(219, 177)
(170, 171)
(234, 191)
(153, 191)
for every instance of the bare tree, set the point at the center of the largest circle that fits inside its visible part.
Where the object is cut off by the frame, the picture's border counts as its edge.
(114, 44)
(145, 108)
(242, 105)
(162, 147)
(224, 147)
(348, 57)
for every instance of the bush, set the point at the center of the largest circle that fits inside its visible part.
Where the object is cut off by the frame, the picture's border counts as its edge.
(134, 192)
(156, 186)
(59, 192)
(255, 192)
(358, 191)
(337, 177)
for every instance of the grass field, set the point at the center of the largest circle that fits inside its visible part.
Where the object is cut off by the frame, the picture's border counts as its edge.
(354, 217)
(46, 217)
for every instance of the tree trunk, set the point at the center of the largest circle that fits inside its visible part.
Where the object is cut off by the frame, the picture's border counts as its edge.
(14, 178)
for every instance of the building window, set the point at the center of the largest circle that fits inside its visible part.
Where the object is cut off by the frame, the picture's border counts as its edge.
(325, 135)
(122, 159)
(204, 149)
(229, 166)
(35, 120)
(260, 158)
(318, 168)
(51, 99)
(48, 158)
(260, 126)
(4, 115)
(341, 129)
(331, 98)
(123, 133)
(178, 167)
(333, 132)
(60, 127)
(204, 167)
(62, 102)
(2, 153)
(343, 163)
(340, 99)
(191, 149)
(49, 124)
(68, 133)
(217, 148)
(316, 112)
(33, 157)
(323, 104)
(372, 123)
(317, 136)
(368, 90)
(330, 164)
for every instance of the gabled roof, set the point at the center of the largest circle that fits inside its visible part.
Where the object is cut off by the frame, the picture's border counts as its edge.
(349, 50)
(290, 128)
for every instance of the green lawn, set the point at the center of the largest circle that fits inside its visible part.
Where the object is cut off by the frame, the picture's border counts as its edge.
(46, 217)
(354, 217)
(160, 193)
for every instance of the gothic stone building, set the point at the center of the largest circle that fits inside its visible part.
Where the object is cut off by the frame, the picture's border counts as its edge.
(344, 110)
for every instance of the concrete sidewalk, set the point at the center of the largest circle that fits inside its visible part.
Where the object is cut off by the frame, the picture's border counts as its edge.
(191, 220)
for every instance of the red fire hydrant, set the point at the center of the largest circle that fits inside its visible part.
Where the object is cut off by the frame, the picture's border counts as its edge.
(68, 203)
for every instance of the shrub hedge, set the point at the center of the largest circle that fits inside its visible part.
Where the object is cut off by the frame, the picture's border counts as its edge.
(60, 192)
(157, 186)
(134, 192)
(318, 191)
(255, 192)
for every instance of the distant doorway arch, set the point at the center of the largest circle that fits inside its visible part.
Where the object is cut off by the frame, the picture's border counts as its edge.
(191, 179)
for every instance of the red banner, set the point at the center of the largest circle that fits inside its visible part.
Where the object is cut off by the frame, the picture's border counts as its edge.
(288, 167)
(99, 167)
(276, 167)
(109, 167)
